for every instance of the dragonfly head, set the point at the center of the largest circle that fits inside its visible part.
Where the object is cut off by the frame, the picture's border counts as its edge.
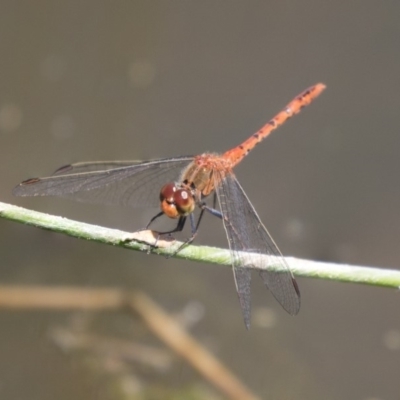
(176, 202)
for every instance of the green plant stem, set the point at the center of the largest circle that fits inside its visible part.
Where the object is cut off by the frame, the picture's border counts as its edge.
(143, 241)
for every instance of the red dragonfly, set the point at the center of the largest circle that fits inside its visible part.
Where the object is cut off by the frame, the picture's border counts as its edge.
(191, 180)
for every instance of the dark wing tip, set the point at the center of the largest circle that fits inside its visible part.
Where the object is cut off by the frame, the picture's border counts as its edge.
(29, 181)
(295, 308)
(19, 189)
(63, 169)
(296, 287)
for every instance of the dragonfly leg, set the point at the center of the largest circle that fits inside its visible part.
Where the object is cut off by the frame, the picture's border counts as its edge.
(178, 228)
(212, 211)
(194, 227)
(153, 219)
(214, 201)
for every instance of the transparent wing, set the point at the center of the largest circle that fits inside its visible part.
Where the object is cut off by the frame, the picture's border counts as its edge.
(134, 185)
(247, 234)
(91, 166)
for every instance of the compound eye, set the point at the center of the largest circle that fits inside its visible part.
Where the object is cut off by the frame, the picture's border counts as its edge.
(167, 201)
(184, 202)
(167, 192)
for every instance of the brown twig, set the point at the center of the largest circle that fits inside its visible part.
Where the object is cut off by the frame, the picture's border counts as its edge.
(156, 319)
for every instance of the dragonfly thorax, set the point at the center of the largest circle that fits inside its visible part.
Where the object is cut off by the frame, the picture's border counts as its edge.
(205, 173)
(176, 201)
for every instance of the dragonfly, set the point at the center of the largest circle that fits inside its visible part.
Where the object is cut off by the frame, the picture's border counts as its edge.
(182, 184)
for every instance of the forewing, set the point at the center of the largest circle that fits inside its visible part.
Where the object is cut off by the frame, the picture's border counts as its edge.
(247, 234)
(92, 166)
(133, 185)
